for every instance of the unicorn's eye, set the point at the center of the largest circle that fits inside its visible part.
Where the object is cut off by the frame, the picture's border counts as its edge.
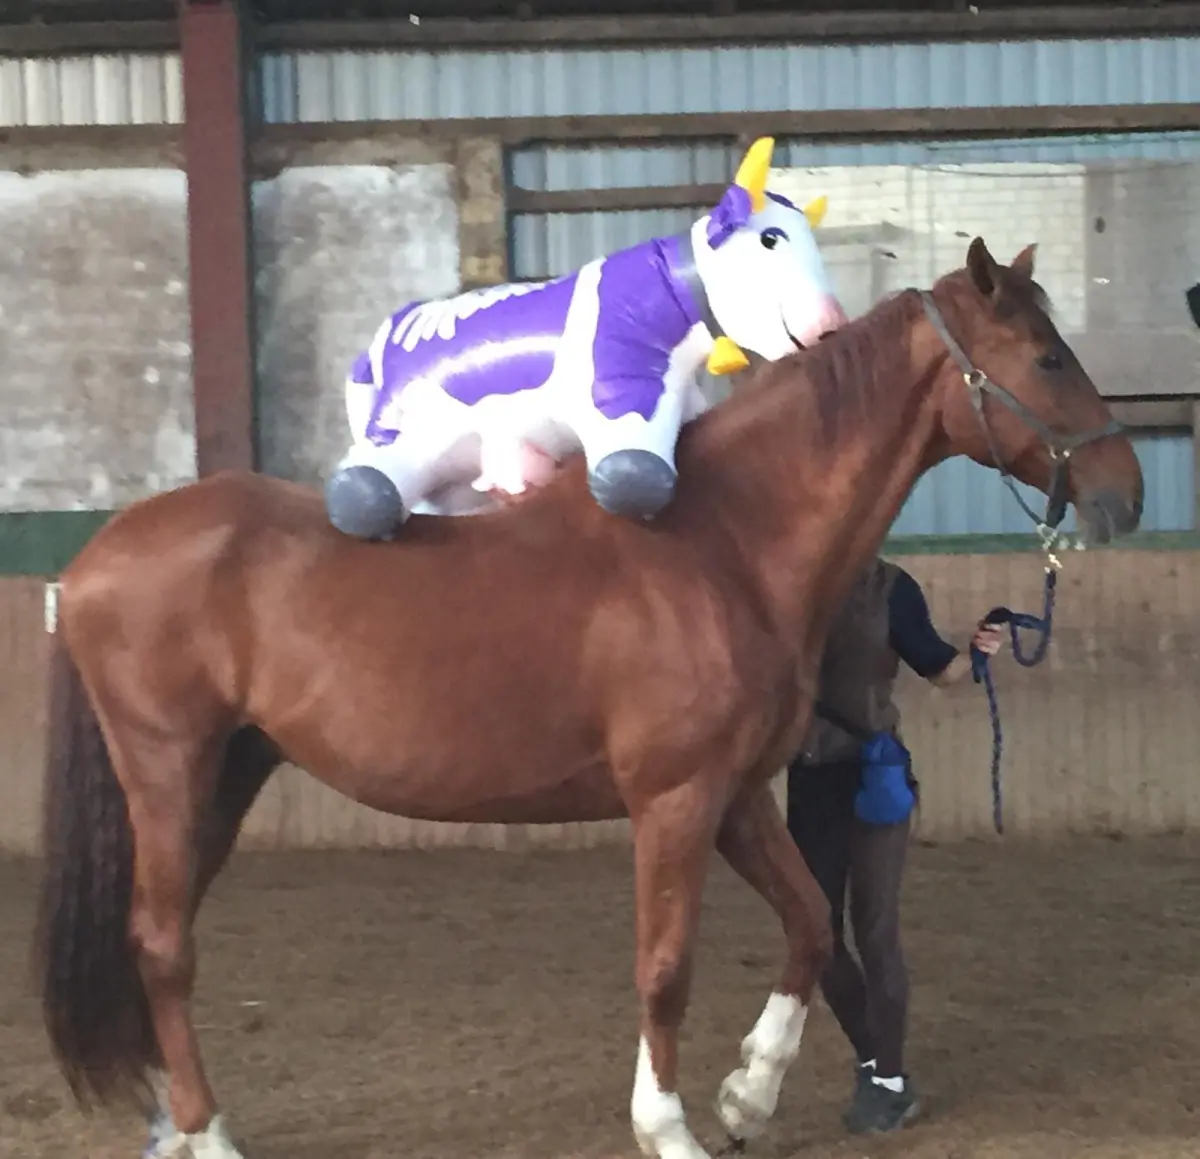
(772, 236)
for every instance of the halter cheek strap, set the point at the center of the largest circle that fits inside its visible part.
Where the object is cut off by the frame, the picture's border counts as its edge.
(1059, 447)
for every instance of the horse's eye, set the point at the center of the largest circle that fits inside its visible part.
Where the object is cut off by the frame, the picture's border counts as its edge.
(1050, 361)
(772, 236)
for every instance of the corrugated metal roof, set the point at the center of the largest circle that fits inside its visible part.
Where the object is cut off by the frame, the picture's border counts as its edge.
(317, 86)
(91, 90)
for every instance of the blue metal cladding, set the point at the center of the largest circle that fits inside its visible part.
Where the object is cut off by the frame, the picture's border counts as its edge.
(117, 89)
(317, 86)
(959, 497)
(384, 85)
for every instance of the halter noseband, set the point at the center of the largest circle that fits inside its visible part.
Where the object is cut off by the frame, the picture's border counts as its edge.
(1059, 447)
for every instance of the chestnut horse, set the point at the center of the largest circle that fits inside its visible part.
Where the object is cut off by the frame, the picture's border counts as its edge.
(543, 663)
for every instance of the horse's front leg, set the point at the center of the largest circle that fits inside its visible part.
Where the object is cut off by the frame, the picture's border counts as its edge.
(754, 840)
(673, 839)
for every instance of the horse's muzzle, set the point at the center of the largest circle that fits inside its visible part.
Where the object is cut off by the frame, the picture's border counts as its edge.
(1108, 513)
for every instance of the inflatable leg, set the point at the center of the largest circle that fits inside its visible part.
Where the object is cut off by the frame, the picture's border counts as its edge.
(374, 489)
(631, 461)
(363, 502)
(634, 482)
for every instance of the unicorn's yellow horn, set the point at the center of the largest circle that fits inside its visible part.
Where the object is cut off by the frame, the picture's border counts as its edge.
(815, 211)
(752, 172)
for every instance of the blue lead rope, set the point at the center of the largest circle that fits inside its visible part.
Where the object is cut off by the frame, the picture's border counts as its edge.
(982, 673)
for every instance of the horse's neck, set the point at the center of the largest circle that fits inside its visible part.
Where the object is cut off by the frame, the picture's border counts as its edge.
(823, 509)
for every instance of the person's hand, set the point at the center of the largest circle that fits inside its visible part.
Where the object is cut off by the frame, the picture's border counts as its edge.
(988, 638)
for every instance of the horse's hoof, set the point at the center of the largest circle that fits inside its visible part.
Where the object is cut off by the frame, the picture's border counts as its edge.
(163, 1141)
(634, 483)
(741, 1114)
(168, 1143)
(363, 502)
(645, 1143)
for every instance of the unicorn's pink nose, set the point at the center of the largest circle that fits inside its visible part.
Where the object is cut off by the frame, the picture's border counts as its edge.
(823, 316)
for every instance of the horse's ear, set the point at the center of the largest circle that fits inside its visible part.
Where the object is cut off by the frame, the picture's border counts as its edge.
(983, 270)
(1023, 262)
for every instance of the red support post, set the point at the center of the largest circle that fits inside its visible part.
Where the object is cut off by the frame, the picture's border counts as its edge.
(213, 51)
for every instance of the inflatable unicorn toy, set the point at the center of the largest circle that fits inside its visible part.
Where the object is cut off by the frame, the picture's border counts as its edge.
(487, 391)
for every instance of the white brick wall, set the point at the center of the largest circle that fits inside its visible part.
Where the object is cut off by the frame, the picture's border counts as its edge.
(927, 216)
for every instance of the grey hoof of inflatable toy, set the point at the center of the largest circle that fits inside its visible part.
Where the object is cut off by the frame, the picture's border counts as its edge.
(363, 502)
(635, 483)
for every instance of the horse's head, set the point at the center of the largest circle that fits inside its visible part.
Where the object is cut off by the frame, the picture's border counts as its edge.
(1023, 402)
(766, 284)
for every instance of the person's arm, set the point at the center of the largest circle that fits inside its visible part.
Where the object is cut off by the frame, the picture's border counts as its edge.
(917, 642)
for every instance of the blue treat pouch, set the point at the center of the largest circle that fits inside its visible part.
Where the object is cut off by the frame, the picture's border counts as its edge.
(885, 795)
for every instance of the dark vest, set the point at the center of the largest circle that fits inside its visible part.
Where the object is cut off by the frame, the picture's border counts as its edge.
(858, 670)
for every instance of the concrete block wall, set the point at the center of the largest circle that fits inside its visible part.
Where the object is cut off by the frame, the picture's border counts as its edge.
(337, 249)
(96, 356)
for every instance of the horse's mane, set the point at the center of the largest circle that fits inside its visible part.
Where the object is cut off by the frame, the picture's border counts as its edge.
(848, 378)
(843, 378)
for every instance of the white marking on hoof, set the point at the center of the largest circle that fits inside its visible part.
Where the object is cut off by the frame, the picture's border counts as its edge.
(164, 1140)
(749, 1095)
(658, 1121)
(211, 1143)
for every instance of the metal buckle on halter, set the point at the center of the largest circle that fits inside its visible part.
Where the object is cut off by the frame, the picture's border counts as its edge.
(1054, 538)
(1051, 539)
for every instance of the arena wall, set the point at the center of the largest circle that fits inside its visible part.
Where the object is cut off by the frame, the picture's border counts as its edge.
(1100, 739)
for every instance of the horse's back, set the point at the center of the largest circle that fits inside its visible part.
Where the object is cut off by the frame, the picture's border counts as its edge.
(534, 643)
(259, 552)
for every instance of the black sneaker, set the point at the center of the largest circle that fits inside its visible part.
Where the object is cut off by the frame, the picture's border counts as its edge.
(875, 1109)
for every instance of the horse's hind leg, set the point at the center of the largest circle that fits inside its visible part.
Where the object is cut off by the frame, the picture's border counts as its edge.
(754, 840)
(167, 785)
(250, 758)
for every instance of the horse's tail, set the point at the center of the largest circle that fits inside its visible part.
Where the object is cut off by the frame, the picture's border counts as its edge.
(93, 1000)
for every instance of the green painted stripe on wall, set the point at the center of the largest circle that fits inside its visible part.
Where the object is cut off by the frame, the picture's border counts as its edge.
(42, 543)
(1001, 544)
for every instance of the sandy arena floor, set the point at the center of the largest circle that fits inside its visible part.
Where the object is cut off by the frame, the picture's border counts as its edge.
(456, 1005)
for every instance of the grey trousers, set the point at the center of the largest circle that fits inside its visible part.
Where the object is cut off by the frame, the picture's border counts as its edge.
(868, 997)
